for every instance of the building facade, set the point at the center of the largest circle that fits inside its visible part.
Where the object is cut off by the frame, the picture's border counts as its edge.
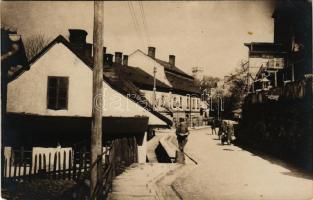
(174, 93)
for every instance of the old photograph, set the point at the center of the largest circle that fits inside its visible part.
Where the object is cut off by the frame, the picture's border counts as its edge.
(157, 100)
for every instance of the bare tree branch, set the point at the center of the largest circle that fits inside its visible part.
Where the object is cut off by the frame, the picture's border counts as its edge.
(34, 44)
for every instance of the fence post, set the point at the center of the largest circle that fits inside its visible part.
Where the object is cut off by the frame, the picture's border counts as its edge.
(64, 165)
(30, 169)
(39, 168)
(55, 165)
(80, 164)
(69, 164)
(74, 165)
(24, 171)
(35, 167)
(5, 167)
(59, 165)
(49, 165)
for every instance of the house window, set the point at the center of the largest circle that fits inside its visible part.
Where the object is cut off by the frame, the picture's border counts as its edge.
(174, 102)
(198, 104)
(188, 101)
(57, 93)
(181, 102)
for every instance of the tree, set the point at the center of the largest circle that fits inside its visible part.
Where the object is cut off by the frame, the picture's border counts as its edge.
(237, 85)
(34, 44)
(207, 82)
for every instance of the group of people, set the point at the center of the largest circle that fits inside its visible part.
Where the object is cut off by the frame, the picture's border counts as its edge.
(225, 131)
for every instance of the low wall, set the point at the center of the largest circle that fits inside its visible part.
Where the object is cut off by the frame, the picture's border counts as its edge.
(283, 127)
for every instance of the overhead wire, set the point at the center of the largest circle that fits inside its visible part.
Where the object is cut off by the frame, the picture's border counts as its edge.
(134, 19)
(142, 12)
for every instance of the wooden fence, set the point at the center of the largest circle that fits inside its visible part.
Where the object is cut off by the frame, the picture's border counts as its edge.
(72, 165)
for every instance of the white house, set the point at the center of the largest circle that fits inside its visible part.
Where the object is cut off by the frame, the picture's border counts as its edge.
(59, 84)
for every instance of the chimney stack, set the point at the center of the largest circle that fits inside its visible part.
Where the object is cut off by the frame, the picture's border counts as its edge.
(125, 60)
(172, 60)
(108, 59)
(151, 52)
(78, 37)
(118, 57)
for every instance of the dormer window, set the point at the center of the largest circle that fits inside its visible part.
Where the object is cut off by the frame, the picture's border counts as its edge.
(57, 93)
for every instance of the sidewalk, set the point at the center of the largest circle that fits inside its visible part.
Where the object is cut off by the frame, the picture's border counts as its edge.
(139, 181)
(228, 173)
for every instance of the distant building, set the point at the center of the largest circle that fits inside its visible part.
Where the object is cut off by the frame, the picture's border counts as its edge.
(176, 93)
(197, 73)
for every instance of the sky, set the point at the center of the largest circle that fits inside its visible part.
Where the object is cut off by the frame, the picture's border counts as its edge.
(207, 34)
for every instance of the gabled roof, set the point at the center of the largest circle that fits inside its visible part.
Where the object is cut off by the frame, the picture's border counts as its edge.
(170, 68)
(181, 81)
(142, 79)
(182, 84)
(123, 86)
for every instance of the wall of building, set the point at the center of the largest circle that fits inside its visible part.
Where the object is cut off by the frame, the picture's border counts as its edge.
(28, 93)
(174, 101)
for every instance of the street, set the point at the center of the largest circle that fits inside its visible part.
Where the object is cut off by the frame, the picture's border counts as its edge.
(228, 172)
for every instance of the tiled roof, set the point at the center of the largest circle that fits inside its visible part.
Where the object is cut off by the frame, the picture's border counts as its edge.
(142, 79)
(170, 68)
(182, 84)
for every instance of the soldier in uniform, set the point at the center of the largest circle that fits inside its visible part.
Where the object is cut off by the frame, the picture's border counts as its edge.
(182, 133)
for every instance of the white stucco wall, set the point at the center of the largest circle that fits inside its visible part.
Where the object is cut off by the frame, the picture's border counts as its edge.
(144, 62)
(169, 98)
(28, 93)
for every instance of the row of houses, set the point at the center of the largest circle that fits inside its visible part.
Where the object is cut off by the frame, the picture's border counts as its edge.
(48, 100)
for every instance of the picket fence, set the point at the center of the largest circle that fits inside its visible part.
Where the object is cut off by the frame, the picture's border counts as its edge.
(72, 164)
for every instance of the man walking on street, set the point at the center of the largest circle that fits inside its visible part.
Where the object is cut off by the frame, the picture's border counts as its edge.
(182, 133)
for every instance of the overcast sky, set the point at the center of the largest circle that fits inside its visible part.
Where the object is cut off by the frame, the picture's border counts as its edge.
(209, 34)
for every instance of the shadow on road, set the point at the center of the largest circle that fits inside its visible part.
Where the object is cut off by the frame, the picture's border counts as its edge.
(295, 168)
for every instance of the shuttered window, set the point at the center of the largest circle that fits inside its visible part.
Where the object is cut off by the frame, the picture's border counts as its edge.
(57, 97)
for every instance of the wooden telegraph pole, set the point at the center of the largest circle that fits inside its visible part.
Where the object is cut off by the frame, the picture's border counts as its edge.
(97, 92)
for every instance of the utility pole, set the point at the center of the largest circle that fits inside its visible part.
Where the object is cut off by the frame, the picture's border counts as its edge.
(97, 93)
(154, 86)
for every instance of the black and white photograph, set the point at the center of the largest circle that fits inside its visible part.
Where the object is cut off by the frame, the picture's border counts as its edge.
(156, 100)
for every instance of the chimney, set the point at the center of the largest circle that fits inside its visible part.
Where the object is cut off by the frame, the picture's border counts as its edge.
(108, 59)
(171, 60)
(151, 52)
(78, 37)
(125, 60)
(118, 57)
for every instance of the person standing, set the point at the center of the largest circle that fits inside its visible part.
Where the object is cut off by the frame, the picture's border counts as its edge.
(230, 133)
(213, 127)
(182, 133)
